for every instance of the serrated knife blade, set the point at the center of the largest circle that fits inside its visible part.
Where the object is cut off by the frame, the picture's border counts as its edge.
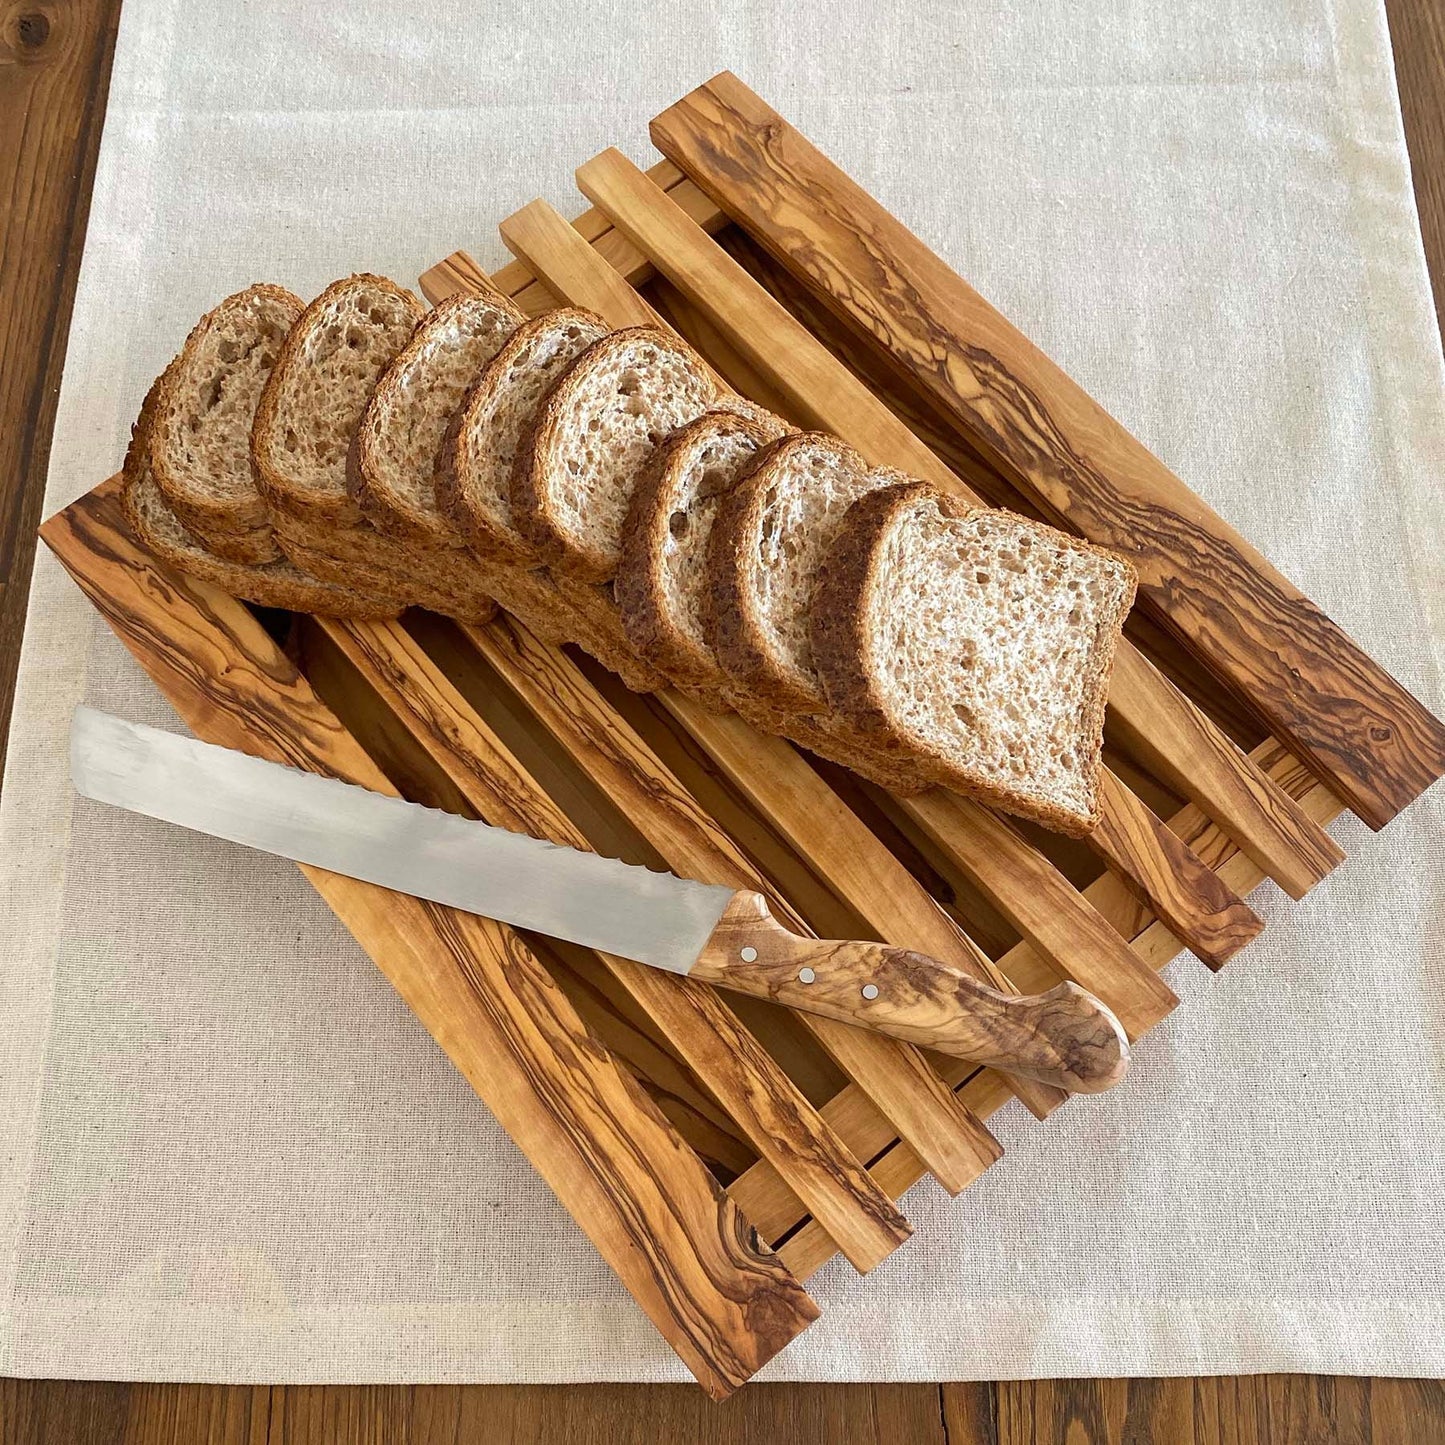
(654, 918)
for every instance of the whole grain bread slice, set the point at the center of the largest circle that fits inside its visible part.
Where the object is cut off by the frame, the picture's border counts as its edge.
(313, 401)
(771, 534)
(591, 438)
(200, 438)
(270, 584)
(661, 582)
(474, 469)
(393, 459)
(980, 642)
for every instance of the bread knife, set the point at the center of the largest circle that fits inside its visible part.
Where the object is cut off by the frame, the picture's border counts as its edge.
(706, 931)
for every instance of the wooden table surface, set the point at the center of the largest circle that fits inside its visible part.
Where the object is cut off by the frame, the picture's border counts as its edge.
(55, 60)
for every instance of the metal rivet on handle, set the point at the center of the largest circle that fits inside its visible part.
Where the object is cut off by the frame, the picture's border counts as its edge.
(750, 955)
(870, 990)
(806, 975)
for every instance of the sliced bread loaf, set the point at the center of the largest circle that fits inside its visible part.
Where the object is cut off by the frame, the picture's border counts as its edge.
(200, 439)
(591, 438)
(979, 641)
(772, 532)
(392, 463)
(474, 469)
(271, 584)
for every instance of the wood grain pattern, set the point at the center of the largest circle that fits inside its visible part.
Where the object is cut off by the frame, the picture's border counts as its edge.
(682, 1247)
(778, 783)
(1184, 892)
(824, 393)
(775, 1118)
(1064, 1037)
(896, 1079)
(1355, 724)
(789, 793)
(54, 76)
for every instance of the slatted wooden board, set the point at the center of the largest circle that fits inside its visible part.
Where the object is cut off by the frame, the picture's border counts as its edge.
(718, 1151)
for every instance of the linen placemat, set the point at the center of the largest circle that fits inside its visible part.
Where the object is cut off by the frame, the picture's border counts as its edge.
(229, 1152)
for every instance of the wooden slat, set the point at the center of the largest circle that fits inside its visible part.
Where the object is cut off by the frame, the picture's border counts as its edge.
(775, 1118)
(1182, 888)
(681, 1247)
(807, 1251)
(897, 1078)
(827, 394)
(1359, 729)
(572, 267)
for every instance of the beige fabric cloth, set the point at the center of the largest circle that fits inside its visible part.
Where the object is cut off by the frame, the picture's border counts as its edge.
(228, 1150)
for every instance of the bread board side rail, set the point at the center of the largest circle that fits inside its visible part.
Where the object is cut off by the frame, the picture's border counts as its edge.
(681, 1246)
(824, 390)
(1359, 730)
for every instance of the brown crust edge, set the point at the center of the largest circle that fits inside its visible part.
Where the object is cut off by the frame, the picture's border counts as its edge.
(734, 629)
(640, 585)
(455, 497)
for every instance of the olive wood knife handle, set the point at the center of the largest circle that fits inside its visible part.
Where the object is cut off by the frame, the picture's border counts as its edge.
(1065, 1037)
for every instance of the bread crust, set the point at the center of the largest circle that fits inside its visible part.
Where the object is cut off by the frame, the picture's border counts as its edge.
(219, 516)
(734, 624)
(389, 509)
(845, 653)
(280, 491)
(534, 475)
(456, 495)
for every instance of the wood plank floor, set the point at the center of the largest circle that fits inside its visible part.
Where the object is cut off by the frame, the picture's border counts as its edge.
(54, 71)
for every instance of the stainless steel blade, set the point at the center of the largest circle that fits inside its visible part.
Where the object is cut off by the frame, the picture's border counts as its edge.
(599, 902)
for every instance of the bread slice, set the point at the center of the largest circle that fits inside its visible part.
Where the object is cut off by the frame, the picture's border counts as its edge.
(981, 642)
(592, 437)
(661, 582)
(474, 469)
(772, 532)
(200, 439)
(312, 403)
(157, 528)
(309, 414)
(392, 463)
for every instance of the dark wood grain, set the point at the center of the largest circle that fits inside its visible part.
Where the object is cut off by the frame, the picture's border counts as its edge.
(55, 60)
(682, 1247)
(780, 1124)
(1355, 724)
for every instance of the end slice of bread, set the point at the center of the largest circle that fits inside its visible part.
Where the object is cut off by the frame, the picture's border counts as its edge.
(200, 440)
(313, 401)
(979, 641)
(392, 463)
(474, 471)
(271, 584)
(591, 439)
